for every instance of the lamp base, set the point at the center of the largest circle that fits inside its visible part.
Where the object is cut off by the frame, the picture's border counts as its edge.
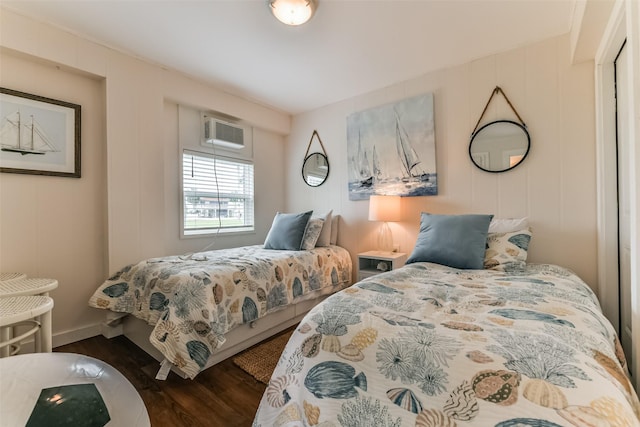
(385, 238)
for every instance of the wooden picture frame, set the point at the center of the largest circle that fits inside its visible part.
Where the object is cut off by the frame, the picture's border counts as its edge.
(38, 135)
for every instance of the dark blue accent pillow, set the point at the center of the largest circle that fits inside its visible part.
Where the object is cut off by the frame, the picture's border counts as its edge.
(454, 240)
(287, 231)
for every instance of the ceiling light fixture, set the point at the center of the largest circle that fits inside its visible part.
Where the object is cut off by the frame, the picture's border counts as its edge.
(293, 12)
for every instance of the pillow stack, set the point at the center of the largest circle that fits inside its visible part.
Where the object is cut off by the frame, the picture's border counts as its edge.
(300, 231)
(472, 242)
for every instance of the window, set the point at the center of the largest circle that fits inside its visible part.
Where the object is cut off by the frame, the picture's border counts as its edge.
(217, 194)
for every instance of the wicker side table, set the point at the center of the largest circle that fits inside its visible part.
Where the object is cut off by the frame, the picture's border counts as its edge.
(11, 276)
(27, 286)
(31, 310)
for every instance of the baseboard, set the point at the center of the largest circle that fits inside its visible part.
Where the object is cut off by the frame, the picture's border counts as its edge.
(66, 337)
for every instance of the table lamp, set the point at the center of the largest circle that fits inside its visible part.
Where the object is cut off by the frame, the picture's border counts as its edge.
(384, 208)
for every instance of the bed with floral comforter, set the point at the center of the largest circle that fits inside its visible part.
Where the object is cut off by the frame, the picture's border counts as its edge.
(429, 345)
(193, 301)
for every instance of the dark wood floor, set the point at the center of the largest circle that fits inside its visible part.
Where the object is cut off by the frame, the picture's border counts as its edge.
(223, 395)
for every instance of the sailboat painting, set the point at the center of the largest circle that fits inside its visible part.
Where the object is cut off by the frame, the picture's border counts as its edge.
(38, 135)
(391, 150)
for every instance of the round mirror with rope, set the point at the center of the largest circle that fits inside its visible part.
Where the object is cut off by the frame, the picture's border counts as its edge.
(500, 145)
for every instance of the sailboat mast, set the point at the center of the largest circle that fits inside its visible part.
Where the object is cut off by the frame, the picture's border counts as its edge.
(376, 164)
(32, 146)
(39, 141)
(19, 131)
(402, 153)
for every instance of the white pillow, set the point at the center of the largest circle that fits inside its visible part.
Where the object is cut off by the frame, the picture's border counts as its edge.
(334, 229)
(508, 225)
(325, 234)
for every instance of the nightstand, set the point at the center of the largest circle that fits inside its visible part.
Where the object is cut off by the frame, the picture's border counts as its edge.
(376, 262)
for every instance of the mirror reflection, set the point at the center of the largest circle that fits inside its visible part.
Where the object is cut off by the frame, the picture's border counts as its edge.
(315, 169)
(499, 146)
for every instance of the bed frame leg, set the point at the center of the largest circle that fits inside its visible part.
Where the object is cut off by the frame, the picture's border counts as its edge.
(112, 326)
(163, 372)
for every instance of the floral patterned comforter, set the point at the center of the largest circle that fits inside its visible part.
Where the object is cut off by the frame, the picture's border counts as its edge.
(428, 345)
(193, 301)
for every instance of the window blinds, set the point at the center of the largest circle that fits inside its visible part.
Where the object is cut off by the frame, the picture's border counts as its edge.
(218, 193)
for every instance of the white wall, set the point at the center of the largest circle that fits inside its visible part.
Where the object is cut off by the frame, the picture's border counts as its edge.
(125, 206)
(53, 226)
(555, 186)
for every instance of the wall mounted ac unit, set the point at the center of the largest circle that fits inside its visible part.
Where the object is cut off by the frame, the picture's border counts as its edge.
(224, 134)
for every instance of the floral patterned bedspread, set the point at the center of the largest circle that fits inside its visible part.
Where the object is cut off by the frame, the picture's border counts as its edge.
(428, 345)
(193, 301)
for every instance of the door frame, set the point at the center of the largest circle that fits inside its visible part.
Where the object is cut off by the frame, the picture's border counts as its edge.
(606, 161)
(624, 22)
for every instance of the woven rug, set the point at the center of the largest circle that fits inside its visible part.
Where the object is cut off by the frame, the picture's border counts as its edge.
(260, 360)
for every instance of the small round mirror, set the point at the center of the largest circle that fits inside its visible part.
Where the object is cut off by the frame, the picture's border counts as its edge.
(499, 146)
(315, 169)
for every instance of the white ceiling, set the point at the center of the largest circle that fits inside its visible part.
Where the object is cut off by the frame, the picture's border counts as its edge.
(348, 48)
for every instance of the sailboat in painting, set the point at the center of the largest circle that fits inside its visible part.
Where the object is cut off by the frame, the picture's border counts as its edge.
(377, 171)
(411, 170)
(24, 138)
(362, 166)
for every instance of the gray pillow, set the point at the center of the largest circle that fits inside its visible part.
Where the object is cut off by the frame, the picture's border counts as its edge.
(454, 240)
(287, 231)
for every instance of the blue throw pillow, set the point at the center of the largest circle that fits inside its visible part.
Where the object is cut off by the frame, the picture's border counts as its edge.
(454, 240)
(287, 231)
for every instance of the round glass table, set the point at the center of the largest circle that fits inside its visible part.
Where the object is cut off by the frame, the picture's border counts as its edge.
(67, 389)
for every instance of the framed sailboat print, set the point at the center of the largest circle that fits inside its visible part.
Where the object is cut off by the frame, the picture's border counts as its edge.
(38, 135)
(392, 150)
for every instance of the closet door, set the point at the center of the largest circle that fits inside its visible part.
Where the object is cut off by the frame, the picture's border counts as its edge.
(623, 121)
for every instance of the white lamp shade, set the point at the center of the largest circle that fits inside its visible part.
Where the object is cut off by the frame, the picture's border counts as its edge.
(293, 12)
(385, 208)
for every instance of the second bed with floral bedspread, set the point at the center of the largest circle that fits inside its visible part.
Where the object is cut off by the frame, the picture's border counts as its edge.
(429, 345)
